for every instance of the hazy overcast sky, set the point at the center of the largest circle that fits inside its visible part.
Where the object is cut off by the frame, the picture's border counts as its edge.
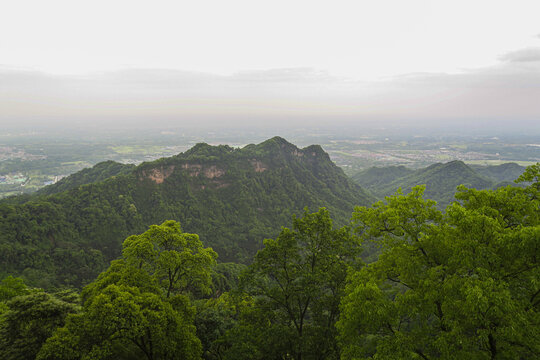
(254, 61)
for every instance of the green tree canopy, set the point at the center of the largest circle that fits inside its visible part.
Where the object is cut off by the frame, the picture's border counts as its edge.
(30, 320)
(135, 310)
(123, 322)
(458, 285)
(11, 287)
(296, 283)
(177, 260)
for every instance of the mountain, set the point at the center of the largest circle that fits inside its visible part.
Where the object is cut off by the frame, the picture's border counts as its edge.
(501, 173)
(441, 181)
(377, 177)
(97, 173)
(233, 198)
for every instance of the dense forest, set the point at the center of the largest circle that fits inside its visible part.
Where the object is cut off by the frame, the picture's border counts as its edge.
(458, 284)
(95, 269)
(66, 234)
(441, 180)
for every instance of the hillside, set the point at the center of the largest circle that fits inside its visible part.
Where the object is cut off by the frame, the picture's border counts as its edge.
(441, 181)
(232, 198)
(97, 173)
(376, 177)
(500, 173)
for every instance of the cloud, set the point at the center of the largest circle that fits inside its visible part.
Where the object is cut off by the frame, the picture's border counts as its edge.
(531, 54)
(287, 75)
(507, 92)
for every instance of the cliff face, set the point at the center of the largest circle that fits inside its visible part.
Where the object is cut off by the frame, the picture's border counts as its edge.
(233, 198)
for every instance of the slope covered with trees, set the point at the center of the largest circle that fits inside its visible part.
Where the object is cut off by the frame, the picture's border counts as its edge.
(462, 284)
(503, 172)
(458, 285)
(97, 173)
(441, 180)
(233, 198)
(377, 177)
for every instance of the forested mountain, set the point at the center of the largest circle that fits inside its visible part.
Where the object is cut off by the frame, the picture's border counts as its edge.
(377, 177)
(232, 198)
(459, 284)
(500, 173)
(97, 173)
(441, 180)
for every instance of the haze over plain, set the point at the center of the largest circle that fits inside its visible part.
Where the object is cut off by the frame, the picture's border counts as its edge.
(240, 63)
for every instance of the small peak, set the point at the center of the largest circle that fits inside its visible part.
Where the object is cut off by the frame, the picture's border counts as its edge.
(276, 143)
(205, 149)
(276, 140)
(456, 164)
(450, 164)
(199, 147)
(315, 150)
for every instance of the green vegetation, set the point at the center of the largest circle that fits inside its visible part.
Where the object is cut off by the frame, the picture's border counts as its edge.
(97, 173)
(233, 198)
(377, 177)
(140, 307)
(295, 285)
(502, 172)
(441, 180)
(458, 284)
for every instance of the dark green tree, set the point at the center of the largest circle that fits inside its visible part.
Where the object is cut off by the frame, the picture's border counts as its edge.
(30, 320)
(296, 283)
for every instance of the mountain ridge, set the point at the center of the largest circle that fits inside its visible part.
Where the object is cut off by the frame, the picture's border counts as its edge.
(441, 179)
(232, 197)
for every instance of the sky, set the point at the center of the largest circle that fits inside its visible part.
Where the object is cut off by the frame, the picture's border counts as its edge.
(236, 62)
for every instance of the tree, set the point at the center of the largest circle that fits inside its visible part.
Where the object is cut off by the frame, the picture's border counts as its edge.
(135, 310)
(30, 320)
(296, 283)
(11, 287)
(123, 322)
(463, 284)
(214, 319)
(177, 260)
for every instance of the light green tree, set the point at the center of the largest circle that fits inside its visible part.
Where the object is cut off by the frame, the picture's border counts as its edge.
(459, 285)
(122, 322)
(177, 260)
(11, 287)
(139, 308)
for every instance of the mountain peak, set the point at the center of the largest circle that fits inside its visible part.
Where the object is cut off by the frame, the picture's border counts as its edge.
(277, 142)
(233, 198)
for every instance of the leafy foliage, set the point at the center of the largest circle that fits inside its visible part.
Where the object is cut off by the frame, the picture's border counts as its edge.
(441, 180)
(178, 261)
(296, 282)
(30, 320)
(129, 312)
(463, 284)
(99, 172)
